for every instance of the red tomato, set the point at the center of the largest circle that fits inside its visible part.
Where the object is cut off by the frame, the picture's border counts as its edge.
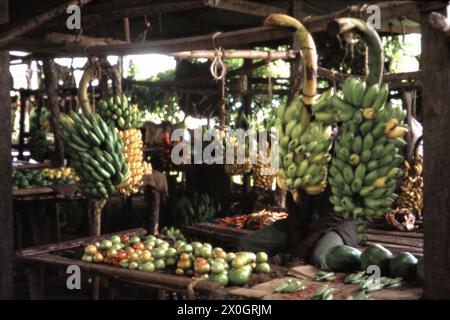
(129, 250)
(139, 246)
(121, 255)
(124, 238)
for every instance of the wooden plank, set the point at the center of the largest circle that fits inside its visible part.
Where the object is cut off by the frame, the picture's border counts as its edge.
(246, 7)
(435, 65)
(397, 248)
(76, 243)
(19, 30)
(6, 217)
(418, 235)
(33, 191)
(80, 40)
(396, 240)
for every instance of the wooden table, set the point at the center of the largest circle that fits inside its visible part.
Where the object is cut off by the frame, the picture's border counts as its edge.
(64, 254)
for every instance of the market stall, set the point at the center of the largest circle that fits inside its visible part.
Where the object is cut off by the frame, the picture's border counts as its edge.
(344, 199)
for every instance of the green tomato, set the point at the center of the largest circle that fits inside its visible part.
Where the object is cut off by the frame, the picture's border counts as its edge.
(158, 241)
(148, 266)
(207, 245)
(159, 264)
(196, 244)
(263, 267)
(179, 271)
(159, 253)
(133, 265)
(230, 257)
(115, 239)
(150, 238)
(124, 264)
(164, 245)
(261, 257)
(106, 244)
(86, 258)
(171, 253)
(171, 261)
(221, 278)
(239, 276)
(188, 272)
(217, 267)
(179, 244)
(186, 248)
(135, 239)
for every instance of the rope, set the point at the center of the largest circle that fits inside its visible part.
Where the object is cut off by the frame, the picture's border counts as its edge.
(269, 84)
(218, 68)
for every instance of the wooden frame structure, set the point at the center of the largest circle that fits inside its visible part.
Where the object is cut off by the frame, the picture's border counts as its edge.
(435, 75)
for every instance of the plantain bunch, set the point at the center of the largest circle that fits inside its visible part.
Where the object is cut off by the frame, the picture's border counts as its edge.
(367, 161)
(304, 149)
(96, 154)
(411, 195)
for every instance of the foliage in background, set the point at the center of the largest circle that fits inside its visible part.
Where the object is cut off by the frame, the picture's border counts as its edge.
(158, 105)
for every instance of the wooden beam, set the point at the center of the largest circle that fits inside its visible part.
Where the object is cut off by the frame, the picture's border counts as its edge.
(138, 9)
(225, 40)
(435, 63)
(27, 26)
(6, 214)
(387, 77)
(234, 54)
(80, 40)
(51, 85)
(247, 7)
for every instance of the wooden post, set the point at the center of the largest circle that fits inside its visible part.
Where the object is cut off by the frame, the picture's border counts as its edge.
(435, 63)
(6, 215)
(51, 84)
(23, 101)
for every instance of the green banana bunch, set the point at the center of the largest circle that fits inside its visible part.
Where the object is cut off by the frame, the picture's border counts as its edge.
(323, 109)
(96, 154)
(367, 161)
(117, 112)
(304, 149)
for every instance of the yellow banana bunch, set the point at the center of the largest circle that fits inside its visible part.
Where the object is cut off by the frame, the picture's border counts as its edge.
(132, 140)
(65, 173)
(411, 195)
(261, 176)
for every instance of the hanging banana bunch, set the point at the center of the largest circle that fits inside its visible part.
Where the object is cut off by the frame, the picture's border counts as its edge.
(117, 112)
(96, 154)
(261, 173)
(304, 144)
(367, 159)
(411, 195)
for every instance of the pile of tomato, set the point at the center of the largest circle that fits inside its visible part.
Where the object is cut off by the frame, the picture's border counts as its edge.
(194, 259)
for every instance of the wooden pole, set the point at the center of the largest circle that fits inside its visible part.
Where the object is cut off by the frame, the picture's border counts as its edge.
(435, 63)
(6, 214)
(51, 84)
(27, 26)
(126, 28)
(23, 101)
(236, 54)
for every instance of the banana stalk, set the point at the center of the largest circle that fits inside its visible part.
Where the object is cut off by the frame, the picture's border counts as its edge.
(308, 49)
(370, 37)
